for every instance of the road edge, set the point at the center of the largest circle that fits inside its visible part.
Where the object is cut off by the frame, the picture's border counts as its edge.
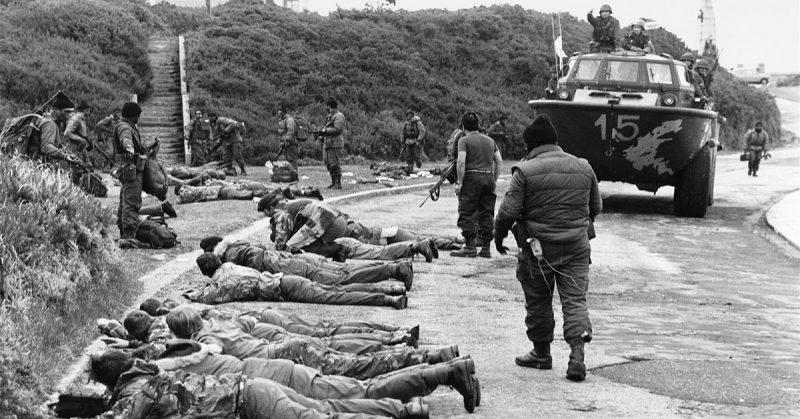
(162, 276)
(782, 218)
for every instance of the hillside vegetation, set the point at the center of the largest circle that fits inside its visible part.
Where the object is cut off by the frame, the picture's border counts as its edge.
(251, 57)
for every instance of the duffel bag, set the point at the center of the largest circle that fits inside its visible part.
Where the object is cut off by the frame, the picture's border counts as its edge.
(156, 233)
(283, 172)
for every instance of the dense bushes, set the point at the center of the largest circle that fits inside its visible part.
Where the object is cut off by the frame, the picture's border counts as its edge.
(252, 57)
(93, 50)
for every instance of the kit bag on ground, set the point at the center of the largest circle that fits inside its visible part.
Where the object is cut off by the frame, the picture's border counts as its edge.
(156, 233)
(283, 172)
(301, 130)
(17, 132)
(93, 185)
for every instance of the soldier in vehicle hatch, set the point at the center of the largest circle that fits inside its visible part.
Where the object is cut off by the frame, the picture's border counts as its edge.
(607, 35)
(637, 39)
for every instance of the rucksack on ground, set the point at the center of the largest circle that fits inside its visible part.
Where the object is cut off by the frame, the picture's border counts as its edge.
(283, 172)
(156, 233)
(301, 130)
(17, 132)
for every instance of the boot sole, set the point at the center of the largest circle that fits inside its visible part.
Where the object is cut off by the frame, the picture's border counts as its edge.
(535, 365)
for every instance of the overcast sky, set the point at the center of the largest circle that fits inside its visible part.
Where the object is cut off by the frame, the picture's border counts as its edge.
(748, 32)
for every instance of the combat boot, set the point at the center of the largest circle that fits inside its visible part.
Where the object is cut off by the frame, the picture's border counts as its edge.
(459, 375)
(333, 181)
(399, 302)
(404, 271)
(423, 248)
(576, 369)
(539, 357)
(468, 251)
(416, 409)
(337, 182)
(152, 211)
(168, 209)
(445, 354)
(486, 249)
(314, 193)
(401, 338)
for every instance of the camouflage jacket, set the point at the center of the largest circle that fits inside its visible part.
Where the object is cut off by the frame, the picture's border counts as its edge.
(316, 216)
(287, 129)
(145, 391)
(413, 131)
(199, 130)
(606, 31)
(640, 41)
(237, 283)
(497, 131)
(334, 130)
(76, 128)
(228, 129)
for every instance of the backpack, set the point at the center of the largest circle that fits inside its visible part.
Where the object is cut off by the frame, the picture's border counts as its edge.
(301, 130)
(283, 172)
(17, 133)
(156, 233)
(155, 178)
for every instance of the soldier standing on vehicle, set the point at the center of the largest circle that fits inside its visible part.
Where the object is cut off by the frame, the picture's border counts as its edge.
(77, 136)
(332, 134)
(477, 168)
(756, 143)
(638, 40)
(130, 156)
(607, 35)
(498, 131)
(693, 77)
(553, 198)
(703, 69)
(413, 140)
(199, 131)
(287, 129)
(229, 132)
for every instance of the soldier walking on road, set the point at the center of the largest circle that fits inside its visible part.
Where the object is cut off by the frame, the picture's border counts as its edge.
(477, 168)
(553, 199)
(130, 156)
(199, 131)
(413, 140)
(229, 132)
(332, 134)
(287, 129)
(756, 143)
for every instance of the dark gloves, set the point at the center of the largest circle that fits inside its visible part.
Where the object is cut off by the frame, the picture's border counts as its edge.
(498, 243)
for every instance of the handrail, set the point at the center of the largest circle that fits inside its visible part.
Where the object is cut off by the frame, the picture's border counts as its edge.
(187, 151)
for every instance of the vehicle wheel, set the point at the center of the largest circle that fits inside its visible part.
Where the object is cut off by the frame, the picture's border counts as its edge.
(692, 191)
(764, 81)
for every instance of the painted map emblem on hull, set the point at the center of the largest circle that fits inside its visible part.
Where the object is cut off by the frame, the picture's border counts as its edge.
(645, 152)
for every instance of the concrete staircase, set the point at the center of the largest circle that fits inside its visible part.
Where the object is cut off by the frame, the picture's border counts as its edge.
(162, 111)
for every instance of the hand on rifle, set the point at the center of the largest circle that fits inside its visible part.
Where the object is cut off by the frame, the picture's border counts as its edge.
(71, 158)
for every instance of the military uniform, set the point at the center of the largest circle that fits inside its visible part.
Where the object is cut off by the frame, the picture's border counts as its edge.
(241, 189)
(756, 143)
(144, 390)
(413, 140)
(126, 137)
(287, 129)
(104, 131)
(606, 35)
(498, 131)
(333, 145)
(77, 136)
(322, 328)
(477, 198)
(227, 130)
(233, 282)
(640, 41)
(199, 139)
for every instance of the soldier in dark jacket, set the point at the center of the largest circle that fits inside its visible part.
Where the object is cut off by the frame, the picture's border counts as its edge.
(130, 156)
(332, 134)
(199, 131)
(553, 199)
(637, 39)
(607, 35)
(756, 143)
(287, 129)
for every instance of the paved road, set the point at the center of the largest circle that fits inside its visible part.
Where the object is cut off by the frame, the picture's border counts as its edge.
(702, 312)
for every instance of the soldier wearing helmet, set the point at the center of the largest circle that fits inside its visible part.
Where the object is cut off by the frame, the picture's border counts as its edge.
(692, 76)
(637, 39)
(607, 35)
(703, 69)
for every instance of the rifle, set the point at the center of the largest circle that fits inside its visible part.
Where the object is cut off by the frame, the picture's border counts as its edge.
(434, 191)
(40, 108)
(280, 150)
(402, 151)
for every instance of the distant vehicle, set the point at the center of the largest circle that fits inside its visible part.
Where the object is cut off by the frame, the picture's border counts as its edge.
(634, 117)
(750, 75)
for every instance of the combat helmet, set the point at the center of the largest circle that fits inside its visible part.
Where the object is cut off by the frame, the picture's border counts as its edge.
(605, 8)
(687, 56)
(702, 63)
(639, 23)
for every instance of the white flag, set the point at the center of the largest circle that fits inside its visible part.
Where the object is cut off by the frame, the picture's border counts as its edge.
(650, 24)
(559, 47)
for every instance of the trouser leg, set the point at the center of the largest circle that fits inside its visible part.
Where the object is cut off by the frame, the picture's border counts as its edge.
(468, 204)
(130, 201)
(485, 209)
(227, 155)
(572, 280)
(302, 290)
(302, 268)
(382, 408)
(198, 154)
(236, 150)
(370, 273)
(357, 250)
(385, 287)
(264, 399)
(360, 366)
(537, 286)
(402, 385)
(291, 155)
(356, 344)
